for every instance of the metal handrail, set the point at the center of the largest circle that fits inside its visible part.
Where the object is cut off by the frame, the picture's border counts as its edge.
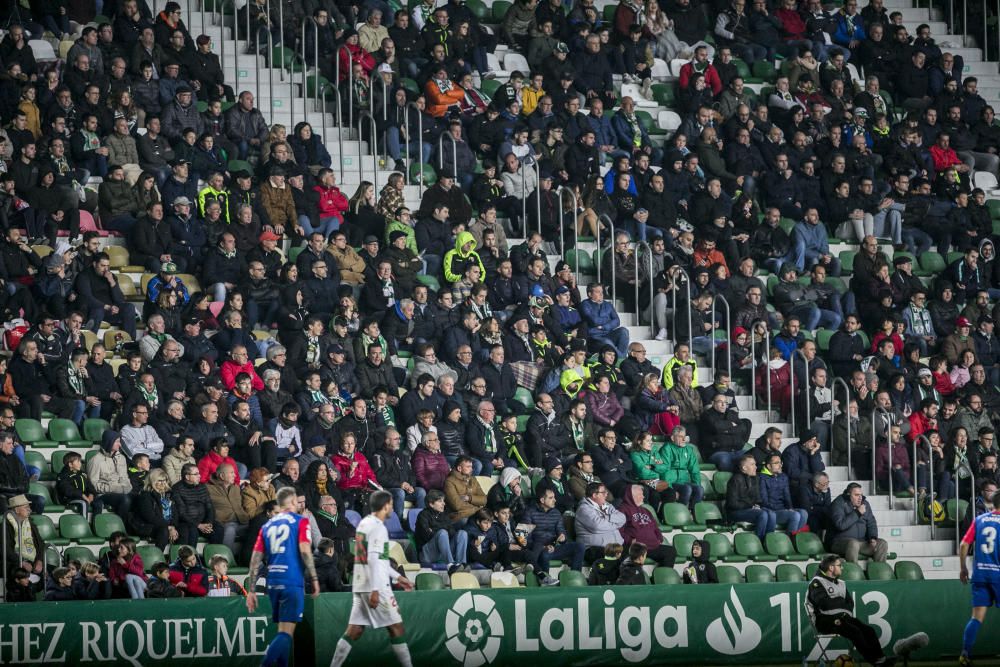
(524, 198)
(560, 191)
(350, 82)
(385, 96)
(281, 31)
(846, 412)
(958, 496)
(270, 75)
(767, 362)
(340, 134)
(889, 443)
(420, 140)
(649, 256)
(809, 388)
(454, 153)
(729, 357)
(611, 249)
(217, 5)
(673, 291)
(305, 64)
(361, 158)
(875, 412)
(791, 380)
(930, 475)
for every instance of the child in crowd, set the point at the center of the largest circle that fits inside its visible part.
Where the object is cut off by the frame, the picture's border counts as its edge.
(700, 570)
(159, 585)
(73, 486)
(631, 573)
(605, 571)
(20, 589)
(138, 471)
(513, 443)
(220, 585)
(484, 547)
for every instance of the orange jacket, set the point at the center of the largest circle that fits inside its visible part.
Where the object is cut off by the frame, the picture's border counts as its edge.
(438, 102)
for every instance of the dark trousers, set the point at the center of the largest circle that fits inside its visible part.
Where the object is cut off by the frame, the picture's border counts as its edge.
(569, 552)
(188, 533)
(121, 503)
(664, 555)
(490, 558)
(263, 455)
(862, 636)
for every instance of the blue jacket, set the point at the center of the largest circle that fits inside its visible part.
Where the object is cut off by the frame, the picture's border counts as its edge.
(548, 525)
(774, 492)
(800, 465)
(604, 135)
(601, 319)
(188, 237)
(841, 36)
(814, 236)
(623, 133)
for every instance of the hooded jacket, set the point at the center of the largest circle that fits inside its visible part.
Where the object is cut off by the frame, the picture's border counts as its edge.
(456, 259)
(701, 570)
(109, 472)
(640, 524)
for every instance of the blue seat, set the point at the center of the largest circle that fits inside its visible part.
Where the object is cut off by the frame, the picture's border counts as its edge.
(353, 517)
(411, 518)
(394, 527)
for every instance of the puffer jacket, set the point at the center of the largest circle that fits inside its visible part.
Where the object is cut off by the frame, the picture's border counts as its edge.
(227, 502)
(430, 468)
(173, 463)
(192, 504)
(774, 491)
(109, 472)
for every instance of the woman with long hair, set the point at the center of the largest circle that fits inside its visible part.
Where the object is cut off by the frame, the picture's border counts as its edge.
(361, 219)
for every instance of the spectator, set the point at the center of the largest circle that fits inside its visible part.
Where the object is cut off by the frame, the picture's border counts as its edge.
(743, 498)
(815, 499)
(108, 470)
(642, 527)
(73, 486)
(187, 574)
(438, 539)
(138, 437)
(601, 319)
(776, 496)
(153, 518)
(24, 546)
(391, 465)
(224, 493)
(464, 494)
(701, 570)
(853, 528)
(195, 513)
(548, 539)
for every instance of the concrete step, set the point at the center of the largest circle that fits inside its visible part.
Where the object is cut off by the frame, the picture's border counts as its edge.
(980, 69)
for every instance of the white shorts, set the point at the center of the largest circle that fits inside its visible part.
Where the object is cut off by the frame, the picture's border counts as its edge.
(384, 615)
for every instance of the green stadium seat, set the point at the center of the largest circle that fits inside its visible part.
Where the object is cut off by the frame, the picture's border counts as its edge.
(954, 256)
(666, 575)
(780, 545)
(719, 482)
(572, 579)
(174, 552)
(955, 510)
(764, 70)
(707, 513)
(240, 165)
(479, 10)
(429, 281)
(879, 571)
(30, 431)
(410, 85)
(811, 570)
(809, 544)
(581, 261)
(429, 175)
(488, 87)
(682, 543)
(65, 432)
(609, 13)
(75, 528)
(823, 337)
(47, 530)
(678, 517)
(666, 95)
(524, 397)
(428, 581)
(786, 572)
(39, 489)
(151, 555)
(852, 572)
(708, 488)
(82, 554)
(107, 523)
(212, 550)
(908, 571)
(847, 261)
(93, 429)
(53, 558)
(500, 9)
(759, 574)
(748, 545)
(993, 206)
(729, 575)
(36, 459)
(721, 548)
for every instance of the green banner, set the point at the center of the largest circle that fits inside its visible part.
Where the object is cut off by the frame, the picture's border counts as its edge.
(655, 625)
(141, 632)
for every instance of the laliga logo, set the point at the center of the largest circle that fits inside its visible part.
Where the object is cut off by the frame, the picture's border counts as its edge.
(473, 629)
(735, 633)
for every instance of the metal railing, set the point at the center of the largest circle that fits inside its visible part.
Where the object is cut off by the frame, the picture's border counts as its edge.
(420, 142)
(524, 195)
(888, 433)
(652, 292)
(350, 81)
(958, 497)
(336, 94)
(930, 475)
(560, 191)
(611, 249)
(281, 31)
(373, 126)
(270, 73)
(673, 292)
(454, 153)
(729, 357)
(847, 415)
(791, 380)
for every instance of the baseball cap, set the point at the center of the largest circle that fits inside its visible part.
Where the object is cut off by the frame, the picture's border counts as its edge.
(181, 200)
(269, 236)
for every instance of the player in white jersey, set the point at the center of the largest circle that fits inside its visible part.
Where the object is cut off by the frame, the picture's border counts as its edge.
(374, 604)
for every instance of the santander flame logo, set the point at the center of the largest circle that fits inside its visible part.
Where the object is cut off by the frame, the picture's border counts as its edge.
(735, 633)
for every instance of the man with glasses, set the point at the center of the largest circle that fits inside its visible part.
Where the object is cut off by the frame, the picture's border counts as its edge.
(138, 437)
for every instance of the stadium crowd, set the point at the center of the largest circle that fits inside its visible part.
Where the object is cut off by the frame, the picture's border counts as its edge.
(414, 350)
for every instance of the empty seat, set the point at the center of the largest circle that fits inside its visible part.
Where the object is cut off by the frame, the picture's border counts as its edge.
(464, 580)
(428, 581)
(75, 528)
(879, 571)
(758, 574)
(503, 580)
(64, 431)
(780, 545)
(30, 431)
(908, 570)
(666, 575)
(786, 572)
(571, 579)
(729, 575)
(47, 530)
(748, 545)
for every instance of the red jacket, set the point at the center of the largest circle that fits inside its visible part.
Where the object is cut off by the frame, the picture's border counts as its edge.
(430, 469)
(712, 79)
(230, 369)
(362, 473)
(193, 577)
(211, 462)
(117, 571)
(792, 25)
(358, 55)
(943, 158)
(332, 202)
(918, 424)
(943, 383)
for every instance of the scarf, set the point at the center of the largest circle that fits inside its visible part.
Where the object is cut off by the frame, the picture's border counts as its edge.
(321, 487)
(151, 397)
(541, 347)
(633, 122)
(367, 340)
(312, 349)
(228, 254)
(444, 85)
(24, 541)
(330, 517)
(318, 397)
(558, 484)
(489, 444)
(167, 508)
(576, 427)
(483, 311)
(75, 380)
(850, 23)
